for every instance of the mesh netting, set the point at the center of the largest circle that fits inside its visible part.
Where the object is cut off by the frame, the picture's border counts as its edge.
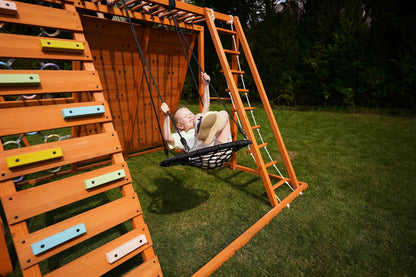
(209, 157)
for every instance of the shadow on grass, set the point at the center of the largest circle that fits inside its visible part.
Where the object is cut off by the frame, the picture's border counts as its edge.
(171, 196)
(241, 181)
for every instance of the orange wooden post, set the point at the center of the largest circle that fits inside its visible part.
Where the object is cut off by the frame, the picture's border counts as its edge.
(5, 262)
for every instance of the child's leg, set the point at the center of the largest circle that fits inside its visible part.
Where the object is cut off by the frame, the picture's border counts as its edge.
(224, 131)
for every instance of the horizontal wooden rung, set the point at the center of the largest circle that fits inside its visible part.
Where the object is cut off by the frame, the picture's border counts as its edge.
(239, 90)
(245, 108)
(231, 52)
(222, 98)
(226, 31)
(255, 127)
(51, 81)
(148, 268)
(198, 20)
(259, 146)
(234, 71)
(281, 182)
(262, 145)
(270, 164)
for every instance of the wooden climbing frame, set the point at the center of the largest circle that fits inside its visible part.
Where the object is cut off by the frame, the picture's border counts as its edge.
(104, 102)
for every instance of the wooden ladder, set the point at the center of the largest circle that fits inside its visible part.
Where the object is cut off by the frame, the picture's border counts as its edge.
(232, 74)
(72, 219)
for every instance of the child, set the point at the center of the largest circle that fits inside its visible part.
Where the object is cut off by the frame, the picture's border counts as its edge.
(200, 130)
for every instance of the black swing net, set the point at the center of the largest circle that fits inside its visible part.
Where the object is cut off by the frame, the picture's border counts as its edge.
(206, 158)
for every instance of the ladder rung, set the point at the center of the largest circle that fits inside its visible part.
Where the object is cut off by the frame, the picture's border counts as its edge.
(141, 5)
(226, 31)
(198, 20)
(260, 146)
(222, 98)
(231, 52)
(234, 71)
(193, 19)
(281, 182)
(270, 164)
(237, 71)
(186, 16)
(245, 108)
(239, 90)
(255, 127)
(158, 11)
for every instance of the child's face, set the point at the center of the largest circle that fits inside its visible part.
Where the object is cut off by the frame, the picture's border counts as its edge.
(185, 119)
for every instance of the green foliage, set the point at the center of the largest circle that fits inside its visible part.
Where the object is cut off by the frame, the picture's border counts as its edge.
(335, 53)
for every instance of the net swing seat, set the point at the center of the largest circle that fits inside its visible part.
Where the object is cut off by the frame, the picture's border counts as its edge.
(209, 157)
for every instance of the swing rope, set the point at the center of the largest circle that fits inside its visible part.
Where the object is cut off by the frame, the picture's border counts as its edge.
(145, 66)
(181, 36)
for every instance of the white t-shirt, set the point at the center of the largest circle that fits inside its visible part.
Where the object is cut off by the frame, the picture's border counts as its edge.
(193, 142)
(188, 136)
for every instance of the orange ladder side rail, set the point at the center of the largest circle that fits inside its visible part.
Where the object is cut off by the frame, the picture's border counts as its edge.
(266, 103)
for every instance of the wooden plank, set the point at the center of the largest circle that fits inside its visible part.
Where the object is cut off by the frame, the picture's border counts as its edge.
(20, 229)
(149, 268)
(43, 17)
(20, 46)
(39, 118)
(51, 82)
(125, 249)
(94, 263)
(109, 215)
(31, 202)
(5, 262)
(36, 102)
(75, 150)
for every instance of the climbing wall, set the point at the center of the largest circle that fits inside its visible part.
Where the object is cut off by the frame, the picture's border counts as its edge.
(63, 220)
(116, 58)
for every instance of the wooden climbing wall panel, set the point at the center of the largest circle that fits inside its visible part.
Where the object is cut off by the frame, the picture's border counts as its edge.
(62, 221)
(116, 58)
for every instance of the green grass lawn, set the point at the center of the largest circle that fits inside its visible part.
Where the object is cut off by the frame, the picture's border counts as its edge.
(357, 217)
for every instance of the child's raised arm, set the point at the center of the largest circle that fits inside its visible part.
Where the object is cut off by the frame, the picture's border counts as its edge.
(206, 99)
